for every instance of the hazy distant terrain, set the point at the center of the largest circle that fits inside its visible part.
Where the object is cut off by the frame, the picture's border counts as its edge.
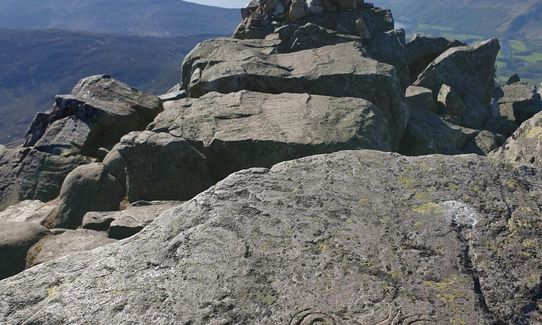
(162, 18)
(516, 23)
(46, 46)
(36, 65)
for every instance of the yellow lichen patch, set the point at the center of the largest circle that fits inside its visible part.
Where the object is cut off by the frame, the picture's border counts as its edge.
(324, 246)
(52, 291)
(530, 244)
(422, 196)
(385, 220)
(512, 184)
(428, 208)
(268, 299)
(405, 180)
(534, 132)
(448, 291)
(457, 321)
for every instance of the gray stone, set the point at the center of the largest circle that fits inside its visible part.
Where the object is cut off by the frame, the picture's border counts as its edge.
(421, 50)
(428, 133)
(29, 174)
(125, 223)
(132, 220)
(354, 237)
(420, 98)
(15, 240)
(248, 129)
(29, 211)
(484, 143)
(99, 111)
(87, 188)
(161, 166)
(69, 242)
(228, 65)
(520, 102)
(467, 69)
(525, 145)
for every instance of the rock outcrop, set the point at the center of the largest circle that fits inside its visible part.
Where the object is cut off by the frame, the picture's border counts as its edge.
(334, 238)
(304, 231)
(525, 145)
(16, 238)
(247, 129)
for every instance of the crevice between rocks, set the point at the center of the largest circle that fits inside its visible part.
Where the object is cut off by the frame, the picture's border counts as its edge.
(468, 268)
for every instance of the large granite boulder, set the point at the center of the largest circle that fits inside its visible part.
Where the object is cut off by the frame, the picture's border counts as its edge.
(249, 129)
(87, 188)
(62, 243)
(421, 50)
(30, 174)
(16, 238)
(229, 65)
(98, 112)
(354, 237)
(468, 69)
(525, 145)
(162, 166)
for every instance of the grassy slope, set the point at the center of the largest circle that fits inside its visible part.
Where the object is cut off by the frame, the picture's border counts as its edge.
(36, 65)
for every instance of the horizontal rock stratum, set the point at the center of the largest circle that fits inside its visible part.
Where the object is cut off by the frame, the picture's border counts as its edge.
(355, 237)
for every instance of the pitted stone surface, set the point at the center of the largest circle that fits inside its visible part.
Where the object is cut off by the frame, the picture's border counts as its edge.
(355, 237)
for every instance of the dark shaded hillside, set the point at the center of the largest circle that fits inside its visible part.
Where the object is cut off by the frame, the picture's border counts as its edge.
(36, 65)
(164, 18)
(513, 19)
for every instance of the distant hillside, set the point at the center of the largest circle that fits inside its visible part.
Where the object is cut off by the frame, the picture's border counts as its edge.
(163, 18)
(513, 19)
(517, 24)
(36, 65)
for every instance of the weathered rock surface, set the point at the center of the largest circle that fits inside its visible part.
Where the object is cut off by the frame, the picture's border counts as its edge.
(520, 102)
(229, 65)
(248, 129)
(525, 145)
(353, 237)
(99, 111)
(55, 246)
(162, 166)
(87, 188)
(428, 133)
(419, 98)
(29, 174)
(15, 240)
(467, 69)
(128, 222)
(29, 211)
(421, 50)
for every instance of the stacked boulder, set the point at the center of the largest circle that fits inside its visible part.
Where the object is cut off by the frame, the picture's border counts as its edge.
(388, 239)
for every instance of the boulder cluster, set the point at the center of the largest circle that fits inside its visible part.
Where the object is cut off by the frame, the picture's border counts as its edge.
(277, 184)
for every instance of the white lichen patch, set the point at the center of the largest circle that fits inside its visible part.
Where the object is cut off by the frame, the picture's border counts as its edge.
(460, 213)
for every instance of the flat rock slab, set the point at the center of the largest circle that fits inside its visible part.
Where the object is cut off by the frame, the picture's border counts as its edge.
(525, 145)
(249, 129)
(55, 246)
(126, 223)
(229, 65)
(356, 237)
(29, 211)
